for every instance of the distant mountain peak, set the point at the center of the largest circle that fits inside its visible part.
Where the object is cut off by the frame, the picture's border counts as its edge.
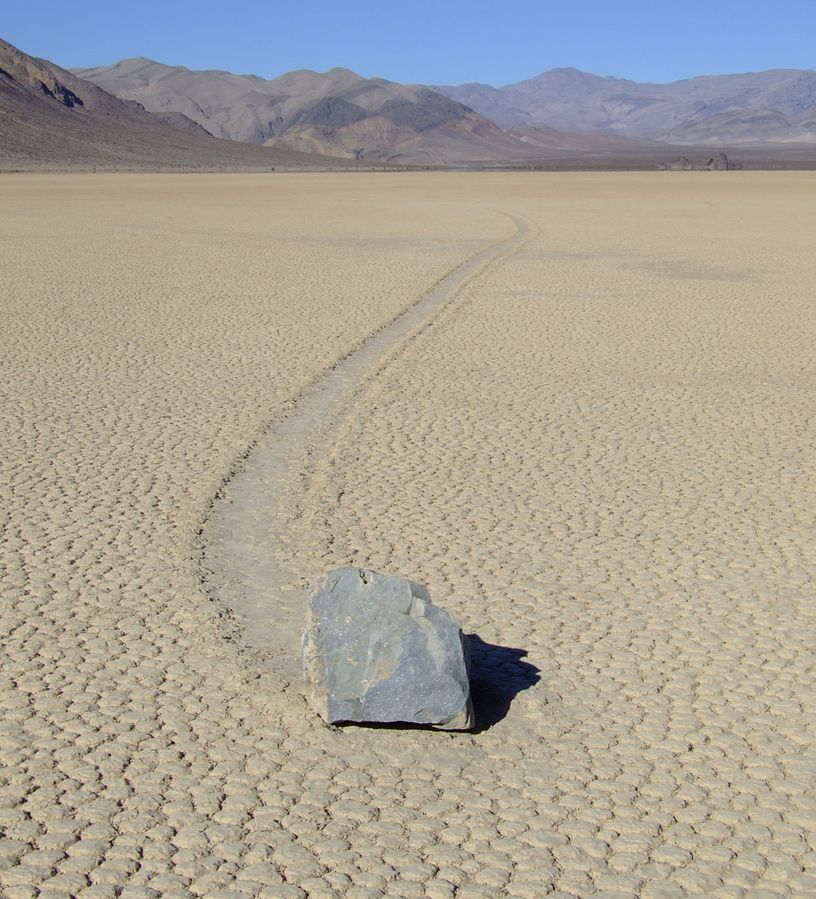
(774, 106)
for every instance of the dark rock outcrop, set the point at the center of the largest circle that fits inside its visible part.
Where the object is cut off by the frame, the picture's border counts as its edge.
(718, 163)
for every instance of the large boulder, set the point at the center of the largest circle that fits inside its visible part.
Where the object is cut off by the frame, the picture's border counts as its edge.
(376, 649)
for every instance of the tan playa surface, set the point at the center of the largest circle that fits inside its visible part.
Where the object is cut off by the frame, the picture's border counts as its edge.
(597, 450)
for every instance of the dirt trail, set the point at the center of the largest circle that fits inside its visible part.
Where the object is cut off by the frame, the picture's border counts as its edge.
(245, 563)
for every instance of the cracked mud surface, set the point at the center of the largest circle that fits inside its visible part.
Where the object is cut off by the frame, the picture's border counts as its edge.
(585, 459)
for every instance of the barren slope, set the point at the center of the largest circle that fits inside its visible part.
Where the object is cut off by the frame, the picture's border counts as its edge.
(588, 143)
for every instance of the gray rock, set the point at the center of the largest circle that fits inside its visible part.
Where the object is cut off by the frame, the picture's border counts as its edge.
(376, 649)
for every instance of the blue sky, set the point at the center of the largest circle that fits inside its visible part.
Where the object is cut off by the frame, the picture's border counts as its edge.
(420, 41)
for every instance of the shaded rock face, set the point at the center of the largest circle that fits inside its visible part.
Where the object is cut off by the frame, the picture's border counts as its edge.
(377, 650)
(429, 111)
(61, 93)
(331, 112)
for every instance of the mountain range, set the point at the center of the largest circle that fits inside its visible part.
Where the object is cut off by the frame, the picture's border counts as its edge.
(337, 113)
(139, 113)
(773, 107)
(340, 113)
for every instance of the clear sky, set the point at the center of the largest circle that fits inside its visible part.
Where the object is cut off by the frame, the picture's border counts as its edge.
(426, 42)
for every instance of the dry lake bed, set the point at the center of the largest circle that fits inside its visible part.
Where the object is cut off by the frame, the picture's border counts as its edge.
(587, 426)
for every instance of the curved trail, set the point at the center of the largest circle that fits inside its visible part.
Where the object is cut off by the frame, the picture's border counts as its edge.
(245, 538)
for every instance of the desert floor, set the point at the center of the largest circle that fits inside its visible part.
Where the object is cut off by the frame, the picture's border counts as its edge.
(596, 449)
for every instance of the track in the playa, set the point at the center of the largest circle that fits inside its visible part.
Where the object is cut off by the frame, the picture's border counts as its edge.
(246, 538)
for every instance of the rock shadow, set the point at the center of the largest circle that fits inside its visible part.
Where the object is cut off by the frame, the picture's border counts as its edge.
(497, 675)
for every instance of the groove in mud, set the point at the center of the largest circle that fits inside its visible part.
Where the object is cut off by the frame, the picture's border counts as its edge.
(244, 540)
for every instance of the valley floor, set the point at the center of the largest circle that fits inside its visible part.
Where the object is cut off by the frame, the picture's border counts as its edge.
(597, 453)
